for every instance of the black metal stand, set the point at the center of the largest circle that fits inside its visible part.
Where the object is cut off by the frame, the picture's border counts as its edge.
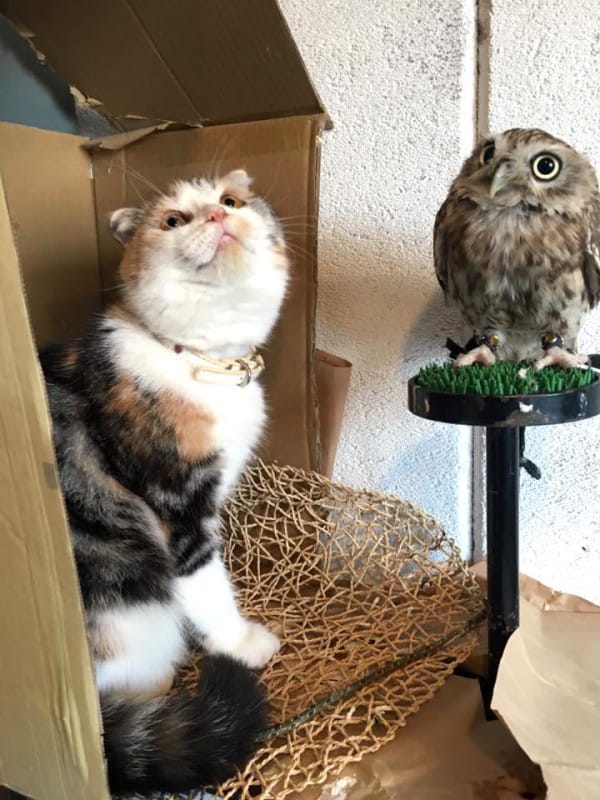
(502, 496)
(504, 418)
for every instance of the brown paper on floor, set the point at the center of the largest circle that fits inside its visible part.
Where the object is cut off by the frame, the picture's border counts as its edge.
(446, 752)
(548, 689)
(332, 375)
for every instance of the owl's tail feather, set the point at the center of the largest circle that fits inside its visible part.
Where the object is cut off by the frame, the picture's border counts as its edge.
(182, 742)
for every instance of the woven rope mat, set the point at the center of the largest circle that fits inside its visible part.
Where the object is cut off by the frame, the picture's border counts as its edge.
(374, 607)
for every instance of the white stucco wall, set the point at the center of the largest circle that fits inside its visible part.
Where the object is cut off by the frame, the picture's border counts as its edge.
(398, 79)
(545, 72)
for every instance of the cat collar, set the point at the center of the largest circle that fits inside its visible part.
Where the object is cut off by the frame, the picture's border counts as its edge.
(239, 371)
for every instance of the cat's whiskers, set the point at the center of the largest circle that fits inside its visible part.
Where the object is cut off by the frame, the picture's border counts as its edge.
(116, 287)
(297, 250)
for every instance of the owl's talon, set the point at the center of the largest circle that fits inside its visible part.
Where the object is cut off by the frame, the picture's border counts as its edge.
(478, 355)
(559, 357)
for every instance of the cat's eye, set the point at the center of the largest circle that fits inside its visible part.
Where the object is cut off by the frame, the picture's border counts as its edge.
(545, 166)
(174, 219)
(231, 201)
(486, 155)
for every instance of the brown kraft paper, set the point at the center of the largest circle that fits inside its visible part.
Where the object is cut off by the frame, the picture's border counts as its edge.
(332, 375)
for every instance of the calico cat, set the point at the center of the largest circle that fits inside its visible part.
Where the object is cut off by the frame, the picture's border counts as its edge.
(155, 412)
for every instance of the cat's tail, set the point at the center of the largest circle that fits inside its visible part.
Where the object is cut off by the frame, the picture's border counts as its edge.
(182, 742)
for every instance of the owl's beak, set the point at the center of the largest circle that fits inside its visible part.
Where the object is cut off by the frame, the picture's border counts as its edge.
(501, 178)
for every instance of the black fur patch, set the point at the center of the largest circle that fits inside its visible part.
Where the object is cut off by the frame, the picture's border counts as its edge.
(128, 461)
(182, 742)
(141, 514)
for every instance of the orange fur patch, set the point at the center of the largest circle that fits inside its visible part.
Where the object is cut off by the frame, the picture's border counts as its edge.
(70, 358)
(124, 399)
(240, 226)
(193, 427)
(132, 261)
(166, 530)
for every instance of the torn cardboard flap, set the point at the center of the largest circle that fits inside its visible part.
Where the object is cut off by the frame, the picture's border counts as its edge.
(548, 689)
(117, 141)
(198, 63)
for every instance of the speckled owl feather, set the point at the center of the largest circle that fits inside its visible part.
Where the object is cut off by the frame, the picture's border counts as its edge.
(516, 246)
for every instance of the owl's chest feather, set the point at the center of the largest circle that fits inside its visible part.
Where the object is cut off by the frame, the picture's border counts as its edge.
(519, 270)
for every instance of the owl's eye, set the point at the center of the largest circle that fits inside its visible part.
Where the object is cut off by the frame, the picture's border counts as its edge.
(486, 155)
(545, 166)
(231, 201)
(174, 219)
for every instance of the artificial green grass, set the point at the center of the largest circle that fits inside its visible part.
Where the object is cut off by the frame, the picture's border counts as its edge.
(502, 378)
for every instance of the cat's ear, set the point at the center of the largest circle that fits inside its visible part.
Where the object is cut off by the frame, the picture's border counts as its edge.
(239, 178)
(123, 222)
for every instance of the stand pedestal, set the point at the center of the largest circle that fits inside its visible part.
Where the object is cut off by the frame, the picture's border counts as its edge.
(502, 506)
(503, 417)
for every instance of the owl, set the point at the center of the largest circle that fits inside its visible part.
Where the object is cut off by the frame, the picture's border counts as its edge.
(516, 248)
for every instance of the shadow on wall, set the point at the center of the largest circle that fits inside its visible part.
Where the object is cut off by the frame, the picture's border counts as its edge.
(383, 309)
(427, 339)
(385, 306)
(31, 94)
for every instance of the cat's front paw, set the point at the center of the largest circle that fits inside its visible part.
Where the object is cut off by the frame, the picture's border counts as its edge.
(254, 648)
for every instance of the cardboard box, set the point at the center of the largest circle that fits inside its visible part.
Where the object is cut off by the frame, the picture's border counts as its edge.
(191, 87)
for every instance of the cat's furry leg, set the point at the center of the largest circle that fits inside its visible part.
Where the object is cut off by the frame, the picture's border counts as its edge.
(134, 624)
(123, 564)
(142, 645)
(208, 600)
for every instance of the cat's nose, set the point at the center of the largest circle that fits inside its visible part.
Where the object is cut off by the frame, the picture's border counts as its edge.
(216, 214)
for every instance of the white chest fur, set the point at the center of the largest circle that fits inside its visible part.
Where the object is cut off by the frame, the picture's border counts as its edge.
(239, 415)
(238, 412)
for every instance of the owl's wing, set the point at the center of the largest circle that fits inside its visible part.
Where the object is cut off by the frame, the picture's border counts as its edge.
(440, 244)
(591, 261)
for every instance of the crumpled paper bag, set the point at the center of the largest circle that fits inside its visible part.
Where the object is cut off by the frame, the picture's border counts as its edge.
(447, 751)
(332, 376)
(548, 689)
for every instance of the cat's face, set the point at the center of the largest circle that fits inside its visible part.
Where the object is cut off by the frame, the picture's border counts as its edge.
(210, 231)
(200, 245)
